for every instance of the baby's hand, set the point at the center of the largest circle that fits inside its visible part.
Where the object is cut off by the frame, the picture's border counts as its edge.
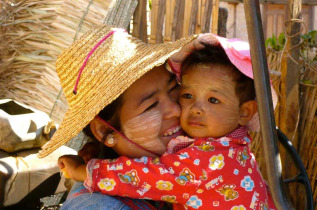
(73, 166)
(89, 151)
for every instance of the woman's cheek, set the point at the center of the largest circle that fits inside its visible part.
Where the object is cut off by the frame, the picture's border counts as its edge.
(144, 130)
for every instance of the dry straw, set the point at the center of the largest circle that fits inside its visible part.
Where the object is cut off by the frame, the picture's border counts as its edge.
(35, 32)
(23, 48)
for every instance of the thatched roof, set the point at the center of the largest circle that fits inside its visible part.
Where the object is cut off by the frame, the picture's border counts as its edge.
(34, 32)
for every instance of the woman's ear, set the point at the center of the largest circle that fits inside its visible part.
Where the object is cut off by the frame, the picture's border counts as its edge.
(99, 129)
(247, 110)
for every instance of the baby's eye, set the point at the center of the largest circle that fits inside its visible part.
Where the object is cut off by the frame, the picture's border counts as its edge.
(187, 96)
(213, 100)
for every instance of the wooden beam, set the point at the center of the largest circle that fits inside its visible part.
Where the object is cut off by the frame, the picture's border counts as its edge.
(206, 17)
(193, 17)
(222, 22)
(160, 21)
(289, 109)
(290, 72)
(215, 15)
(139, 21)
(177, 29)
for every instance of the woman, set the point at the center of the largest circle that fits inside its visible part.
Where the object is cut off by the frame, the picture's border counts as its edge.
(98, 68)
(150, 114)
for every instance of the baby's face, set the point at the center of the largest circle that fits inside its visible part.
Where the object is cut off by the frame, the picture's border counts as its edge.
(210, 107)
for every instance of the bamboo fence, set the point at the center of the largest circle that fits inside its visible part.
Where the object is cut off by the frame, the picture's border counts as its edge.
(173, 19)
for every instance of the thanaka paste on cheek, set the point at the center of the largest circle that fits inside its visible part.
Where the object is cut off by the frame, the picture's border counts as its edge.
(217, 119)
(144, 130)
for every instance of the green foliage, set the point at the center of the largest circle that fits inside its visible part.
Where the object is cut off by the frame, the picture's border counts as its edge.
(309, 46)
(150, 4)
(276, 43)
(310, 39)
(309, 42)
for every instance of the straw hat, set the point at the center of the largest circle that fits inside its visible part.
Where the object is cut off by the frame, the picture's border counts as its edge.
(110, 61)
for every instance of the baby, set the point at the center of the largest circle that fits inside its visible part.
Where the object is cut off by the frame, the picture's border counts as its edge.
(210, 168)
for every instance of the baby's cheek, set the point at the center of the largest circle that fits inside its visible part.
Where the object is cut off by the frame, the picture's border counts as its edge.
(184, 115)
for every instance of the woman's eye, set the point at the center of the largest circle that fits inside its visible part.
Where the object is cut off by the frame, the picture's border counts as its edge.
(151, 107)
(213, 100)
(175, 87)
(187, 96)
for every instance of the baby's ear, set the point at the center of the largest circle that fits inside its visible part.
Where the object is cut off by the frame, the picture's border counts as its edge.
(247, 111)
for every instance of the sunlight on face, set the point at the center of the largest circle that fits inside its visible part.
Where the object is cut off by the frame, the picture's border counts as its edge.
(210, 107)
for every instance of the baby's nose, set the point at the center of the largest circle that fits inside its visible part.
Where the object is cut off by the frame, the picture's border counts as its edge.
(196, 109)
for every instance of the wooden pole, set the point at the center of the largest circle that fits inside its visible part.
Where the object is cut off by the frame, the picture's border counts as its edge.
(215, 14)
(139, 21)
(193, 18)
(207, 14)
(222, 22)
(160, 21)
(289, 111)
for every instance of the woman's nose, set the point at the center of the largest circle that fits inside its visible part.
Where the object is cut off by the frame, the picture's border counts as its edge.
(172, 109)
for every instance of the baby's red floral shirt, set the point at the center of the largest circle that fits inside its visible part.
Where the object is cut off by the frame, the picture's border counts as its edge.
(200, 173)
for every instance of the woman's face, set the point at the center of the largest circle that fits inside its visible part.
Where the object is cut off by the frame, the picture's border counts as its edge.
(149, 115)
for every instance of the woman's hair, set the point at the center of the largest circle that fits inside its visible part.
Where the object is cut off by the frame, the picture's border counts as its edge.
(110, 114)
(244, 87)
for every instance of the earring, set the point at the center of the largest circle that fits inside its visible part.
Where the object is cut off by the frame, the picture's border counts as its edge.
(110, 139)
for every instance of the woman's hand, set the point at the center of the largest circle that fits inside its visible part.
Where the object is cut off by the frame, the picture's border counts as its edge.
(74, 166)
(89, 151)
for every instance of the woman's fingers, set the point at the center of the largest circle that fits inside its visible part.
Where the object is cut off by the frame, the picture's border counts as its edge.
(205, 39)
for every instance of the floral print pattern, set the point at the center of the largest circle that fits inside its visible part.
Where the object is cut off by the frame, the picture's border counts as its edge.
(194, 202)
(247, 183)
(216, 162)
(164, 185)
(106, 184)
(240, 207)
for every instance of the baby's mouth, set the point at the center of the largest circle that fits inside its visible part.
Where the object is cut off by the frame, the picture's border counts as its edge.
(172, 131)
(195, 123)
